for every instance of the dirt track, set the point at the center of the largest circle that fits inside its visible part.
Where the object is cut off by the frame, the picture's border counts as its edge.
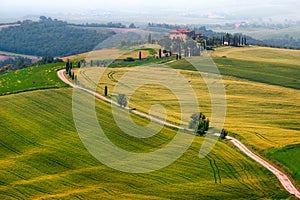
(284, 180)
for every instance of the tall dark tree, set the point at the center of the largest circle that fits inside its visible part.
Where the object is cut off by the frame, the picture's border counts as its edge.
(67, 67)
(105, 91)
(224, 133)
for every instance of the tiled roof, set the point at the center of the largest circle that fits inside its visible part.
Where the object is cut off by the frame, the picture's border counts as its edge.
(181, 31)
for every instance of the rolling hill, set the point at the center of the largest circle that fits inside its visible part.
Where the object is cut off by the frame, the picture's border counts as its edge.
(42, 156)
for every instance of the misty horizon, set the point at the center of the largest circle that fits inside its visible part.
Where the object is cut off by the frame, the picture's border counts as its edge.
(151, 11)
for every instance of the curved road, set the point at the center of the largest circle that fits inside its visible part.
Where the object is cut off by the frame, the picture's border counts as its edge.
(284, 180)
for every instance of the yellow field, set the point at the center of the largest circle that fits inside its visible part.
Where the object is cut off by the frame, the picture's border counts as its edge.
(97, 55)
(265, 115)
(106, 54)
(42, 157)
(260, 54)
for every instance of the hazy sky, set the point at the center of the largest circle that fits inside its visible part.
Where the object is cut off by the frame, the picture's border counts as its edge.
(255, 8)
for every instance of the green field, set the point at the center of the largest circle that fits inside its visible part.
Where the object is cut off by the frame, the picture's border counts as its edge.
(31, 78)
(257, 64)
(287, 157)
(262, 96)
(266, 115)
(42, 157)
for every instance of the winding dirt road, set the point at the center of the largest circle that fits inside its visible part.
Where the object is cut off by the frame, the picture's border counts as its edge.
(284, 180)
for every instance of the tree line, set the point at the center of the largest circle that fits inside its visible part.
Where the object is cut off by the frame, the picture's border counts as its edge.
(107, 25)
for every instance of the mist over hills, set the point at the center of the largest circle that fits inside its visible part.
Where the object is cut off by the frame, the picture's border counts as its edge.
(175, 11)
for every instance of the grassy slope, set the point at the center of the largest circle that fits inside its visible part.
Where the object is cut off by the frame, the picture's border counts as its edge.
(287, 157)
(43, 157)
(113, 54)
(31, 78)
(258, 64)
(266, 115)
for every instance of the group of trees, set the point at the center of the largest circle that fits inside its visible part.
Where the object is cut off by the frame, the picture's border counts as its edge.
(107, 25)
(231, 40)
(69, 70)
(50, 37)
(187, 48)
(167, 26)
(48, 60)
(200, 123)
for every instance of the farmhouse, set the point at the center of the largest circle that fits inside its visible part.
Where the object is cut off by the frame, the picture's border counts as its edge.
(182, 34)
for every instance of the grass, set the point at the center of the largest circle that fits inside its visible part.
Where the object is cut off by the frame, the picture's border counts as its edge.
(260, 54)
(113, 54)
(42, 157)
(147, 95)
(120, 63)
(287, 157)
(31, 78)
(262, 99)
(266, 115)
(283, 70)
(146, 52)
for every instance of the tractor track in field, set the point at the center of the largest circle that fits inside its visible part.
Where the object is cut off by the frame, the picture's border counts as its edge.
(284, 180)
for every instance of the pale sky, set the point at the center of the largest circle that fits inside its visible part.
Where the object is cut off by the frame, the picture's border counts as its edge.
(264, 8)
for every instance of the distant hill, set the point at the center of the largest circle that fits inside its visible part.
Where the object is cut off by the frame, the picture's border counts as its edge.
(48, 37)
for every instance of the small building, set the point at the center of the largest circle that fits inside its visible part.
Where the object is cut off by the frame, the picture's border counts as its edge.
(182, 34)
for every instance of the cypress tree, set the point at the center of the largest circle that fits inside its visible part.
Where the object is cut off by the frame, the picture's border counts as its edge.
(67, 67)
(159, 53)
(105, 91)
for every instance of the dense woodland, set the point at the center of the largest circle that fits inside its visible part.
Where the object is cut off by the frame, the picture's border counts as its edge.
(49, 37)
